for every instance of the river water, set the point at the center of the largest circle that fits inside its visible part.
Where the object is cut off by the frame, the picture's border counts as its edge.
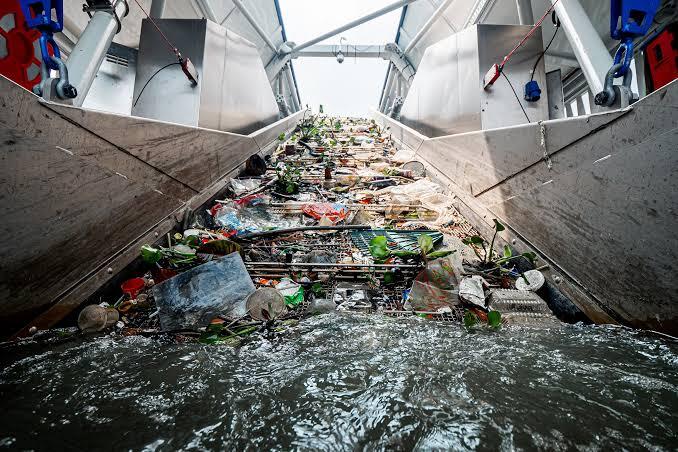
(344, 382)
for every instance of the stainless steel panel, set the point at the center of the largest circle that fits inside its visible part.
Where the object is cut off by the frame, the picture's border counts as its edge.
(169, 96)
(113, 86)
(499, 106)
(233, 93)
(447, 94)
(554, 87)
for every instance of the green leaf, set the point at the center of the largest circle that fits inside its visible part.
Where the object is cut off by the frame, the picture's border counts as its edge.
(498, 226)
(317, 288)
(494, 319)
(440, 253)
(530, 257)
(389, 278)
(379, 248)
(425, 243)
(219, 247)
(281, 137)
(470, 319)
(507, 252)
(150, 255)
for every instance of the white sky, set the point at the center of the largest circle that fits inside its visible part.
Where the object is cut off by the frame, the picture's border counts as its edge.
(351, 88)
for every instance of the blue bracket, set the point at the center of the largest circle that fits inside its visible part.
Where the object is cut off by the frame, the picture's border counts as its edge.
(630, 19)
(38, 14)
(532, 91)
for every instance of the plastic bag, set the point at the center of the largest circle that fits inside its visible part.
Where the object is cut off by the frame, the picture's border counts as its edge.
(433, 288)
(334, 212)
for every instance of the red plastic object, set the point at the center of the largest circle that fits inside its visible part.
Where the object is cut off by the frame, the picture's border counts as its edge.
(133, 286)
(20, 56)
(662, 57)
(334, 212)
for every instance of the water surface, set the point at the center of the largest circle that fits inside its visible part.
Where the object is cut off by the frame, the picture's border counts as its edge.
(347, 382)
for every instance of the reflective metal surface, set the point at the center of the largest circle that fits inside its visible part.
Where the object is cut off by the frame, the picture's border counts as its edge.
(233, 93)
(447, 94)
(113, 86)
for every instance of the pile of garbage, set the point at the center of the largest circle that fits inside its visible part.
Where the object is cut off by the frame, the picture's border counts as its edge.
(336, 219)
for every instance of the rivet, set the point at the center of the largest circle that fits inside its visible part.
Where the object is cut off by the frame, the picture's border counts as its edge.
(513, 242)
(109, 270)
(557, 279)
(156, 234)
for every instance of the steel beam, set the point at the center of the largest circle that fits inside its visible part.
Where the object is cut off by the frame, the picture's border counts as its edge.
(90, 50)
(593, 57)
(424, 29)
(260, 31)
(354, 23)
(207, 10)
(525, 14)
(157, 9)
(293, 93)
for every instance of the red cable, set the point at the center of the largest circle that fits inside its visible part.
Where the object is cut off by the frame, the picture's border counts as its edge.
(527, 36)
(174, 49)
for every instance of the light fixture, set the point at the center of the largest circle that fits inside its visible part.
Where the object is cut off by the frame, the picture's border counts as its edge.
(340, 57)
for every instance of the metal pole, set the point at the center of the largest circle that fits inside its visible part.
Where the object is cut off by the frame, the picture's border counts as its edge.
(292, 91)
(238, 4)
(525, 14)
(423, 30)
(593, 57)
(157, 9)
(207, 10)
(387, 91)
(89, 52)
(354, 23)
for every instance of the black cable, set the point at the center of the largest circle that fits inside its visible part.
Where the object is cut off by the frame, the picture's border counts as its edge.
(556, 22)
(149, 81)
(516, 94)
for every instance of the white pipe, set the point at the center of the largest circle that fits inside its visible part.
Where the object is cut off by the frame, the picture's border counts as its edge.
(525, 13)
(238, 4)
(89, 52)
(354, 23)
(593, 57)
(424, 29)
(387, 91)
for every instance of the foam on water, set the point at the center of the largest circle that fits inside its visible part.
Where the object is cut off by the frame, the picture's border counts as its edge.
(349, 382)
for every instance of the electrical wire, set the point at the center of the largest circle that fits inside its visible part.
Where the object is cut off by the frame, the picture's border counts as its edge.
(556, 22)
(151, 78)
(516, 94)
(528, 36)
(171, 46)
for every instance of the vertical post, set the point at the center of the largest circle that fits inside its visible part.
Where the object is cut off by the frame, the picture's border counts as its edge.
(593, 57)
(280, 84)
(525, 14)
(157, 9)
(89, 52)
(293, 92)
(387, 91)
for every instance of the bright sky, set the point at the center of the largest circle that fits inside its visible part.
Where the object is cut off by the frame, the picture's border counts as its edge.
(351, 88)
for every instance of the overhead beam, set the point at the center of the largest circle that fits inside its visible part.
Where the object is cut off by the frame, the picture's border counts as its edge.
(206, 8)
(593, 57)
(525, 13)
(250, 18)
(354, 23)
(424, 29)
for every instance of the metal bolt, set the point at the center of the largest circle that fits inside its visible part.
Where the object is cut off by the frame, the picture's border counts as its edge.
(156, 234)
(32, 330)
(109, 270)
(557, 279)
(513, 242)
